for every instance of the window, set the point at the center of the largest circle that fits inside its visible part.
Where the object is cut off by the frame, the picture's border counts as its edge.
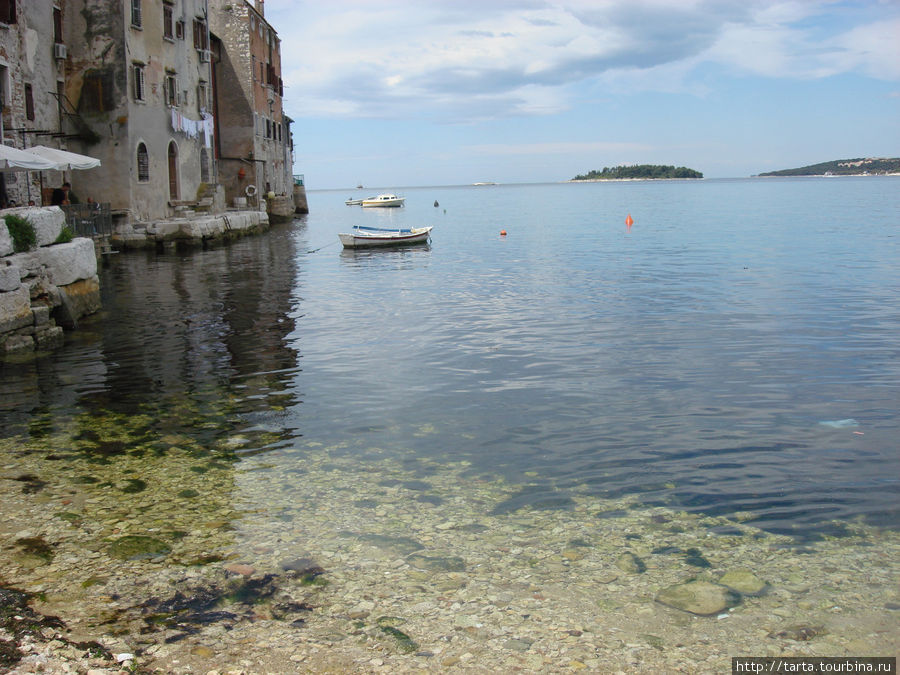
(201, 39)
(204, 165)
(168, 22)
(138, 77)
(179, 30)
(171, 89)
(97, 92)
(202, 96)
(143, 163)
(4, 86)
(60, 97)
(57, 25)
(29, 103)
(136, 13)
(7, 11)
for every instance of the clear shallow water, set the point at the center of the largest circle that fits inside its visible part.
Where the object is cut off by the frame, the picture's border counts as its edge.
(502, 451)
(706, 359)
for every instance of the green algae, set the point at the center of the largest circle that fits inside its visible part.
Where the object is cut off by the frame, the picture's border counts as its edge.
(35, 547)
(404, 642)
(138, 547)
(134, 485)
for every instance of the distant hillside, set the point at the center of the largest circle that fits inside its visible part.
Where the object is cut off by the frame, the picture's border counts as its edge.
(844, 167)
(640, 171)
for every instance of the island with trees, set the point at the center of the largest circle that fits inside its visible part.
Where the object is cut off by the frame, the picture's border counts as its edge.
(844, 167)
(639, 172)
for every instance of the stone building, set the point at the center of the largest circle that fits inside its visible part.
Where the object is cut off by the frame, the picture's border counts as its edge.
(181, 116)
(139, 81)
(253, 135)
(32, 81)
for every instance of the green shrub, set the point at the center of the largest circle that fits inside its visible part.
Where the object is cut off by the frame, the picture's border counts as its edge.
(65, 235)
(22, 232)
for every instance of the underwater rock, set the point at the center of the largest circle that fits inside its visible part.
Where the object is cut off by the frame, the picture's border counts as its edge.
(240, 568)
(138, 547)
(744, 581)
(630, 563)
(798, 632)
(436, 563)
(699, 597)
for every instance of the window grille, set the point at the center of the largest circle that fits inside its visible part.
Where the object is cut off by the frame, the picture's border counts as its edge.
(143, 163)
(138, 72)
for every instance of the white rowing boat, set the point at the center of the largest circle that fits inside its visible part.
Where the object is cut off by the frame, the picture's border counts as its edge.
(368, 237)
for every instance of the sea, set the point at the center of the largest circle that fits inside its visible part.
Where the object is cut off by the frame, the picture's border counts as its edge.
(537, 383)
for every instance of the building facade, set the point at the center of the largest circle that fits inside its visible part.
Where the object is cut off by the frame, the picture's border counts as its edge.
(175, 111)
(253, 135)
(138, 82)
(32, 82)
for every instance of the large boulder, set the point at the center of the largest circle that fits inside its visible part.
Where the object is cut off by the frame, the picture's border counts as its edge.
(70, 262)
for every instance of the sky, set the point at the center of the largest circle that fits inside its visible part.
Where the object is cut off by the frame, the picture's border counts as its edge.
(450, 92)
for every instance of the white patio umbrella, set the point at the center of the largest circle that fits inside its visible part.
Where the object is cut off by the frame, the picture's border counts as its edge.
(13, 159)
(63, 159)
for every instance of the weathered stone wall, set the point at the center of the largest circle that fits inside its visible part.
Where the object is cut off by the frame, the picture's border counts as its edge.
(190, 231)
(47, 288)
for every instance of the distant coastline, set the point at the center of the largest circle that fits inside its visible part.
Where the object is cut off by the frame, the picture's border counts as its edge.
(862, 166)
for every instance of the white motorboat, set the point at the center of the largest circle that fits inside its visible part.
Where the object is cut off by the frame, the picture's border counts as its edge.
(368, 237)
(384, 200)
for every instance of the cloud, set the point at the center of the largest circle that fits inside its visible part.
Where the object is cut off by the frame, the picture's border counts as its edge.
(501, 149)
(465, 60)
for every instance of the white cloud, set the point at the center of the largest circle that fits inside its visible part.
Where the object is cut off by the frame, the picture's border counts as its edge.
(500, 149)
(460, 61)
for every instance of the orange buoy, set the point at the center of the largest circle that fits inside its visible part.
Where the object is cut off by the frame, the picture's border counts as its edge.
(629, 221)
(502, 233)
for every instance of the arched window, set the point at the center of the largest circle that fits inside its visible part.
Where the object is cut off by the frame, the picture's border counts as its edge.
(143, 163)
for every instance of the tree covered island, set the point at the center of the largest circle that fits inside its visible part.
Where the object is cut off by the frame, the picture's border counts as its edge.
(640, 171)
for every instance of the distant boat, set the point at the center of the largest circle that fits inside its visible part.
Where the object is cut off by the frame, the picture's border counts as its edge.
(371, 237)
(485, 183)
(353, 202)
(359, 187)
(384, 200)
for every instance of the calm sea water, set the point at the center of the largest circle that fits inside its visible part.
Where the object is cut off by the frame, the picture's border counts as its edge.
(735, 350)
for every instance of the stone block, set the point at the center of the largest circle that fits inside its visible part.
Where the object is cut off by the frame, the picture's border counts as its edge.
(12, 344)
(10, 278)
(50, 337)
(15, 310)
(6, 242)
(70, 262)
(78, 299)
(41, 314)
(48, 221)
